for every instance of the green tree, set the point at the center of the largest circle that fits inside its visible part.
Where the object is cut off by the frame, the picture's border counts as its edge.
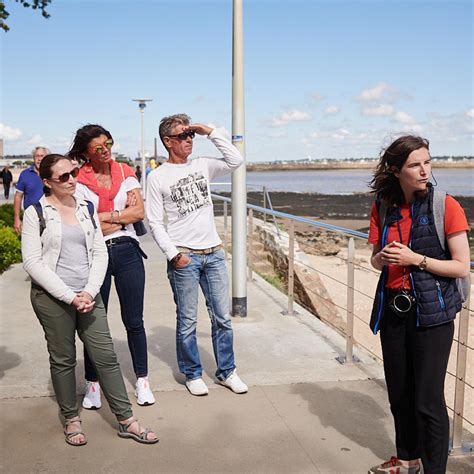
(34, 4)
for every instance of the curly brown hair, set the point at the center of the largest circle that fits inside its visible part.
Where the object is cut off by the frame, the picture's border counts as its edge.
(384, 184)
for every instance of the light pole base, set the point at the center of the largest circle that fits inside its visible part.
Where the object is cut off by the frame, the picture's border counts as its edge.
(239, 307)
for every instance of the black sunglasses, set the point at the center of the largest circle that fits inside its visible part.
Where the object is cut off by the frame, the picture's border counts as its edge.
(183, 135)
(64, 178)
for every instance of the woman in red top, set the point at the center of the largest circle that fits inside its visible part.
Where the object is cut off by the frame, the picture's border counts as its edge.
(415, 356)
(115, 192)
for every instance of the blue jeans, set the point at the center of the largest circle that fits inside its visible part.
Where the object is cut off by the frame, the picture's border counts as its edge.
(208, 272)
(126, 266)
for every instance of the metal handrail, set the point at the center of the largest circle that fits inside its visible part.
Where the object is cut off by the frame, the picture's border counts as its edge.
(266, 196)
(304, 220)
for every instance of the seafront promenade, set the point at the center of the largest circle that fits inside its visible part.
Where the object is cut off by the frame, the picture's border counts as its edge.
(305, 412)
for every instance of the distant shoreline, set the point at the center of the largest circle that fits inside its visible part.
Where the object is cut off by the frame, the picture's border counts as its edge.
(345, 165)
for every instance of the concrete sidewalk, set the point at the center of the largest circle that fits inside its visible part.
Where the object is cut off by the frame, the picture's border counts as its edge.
(304, 412)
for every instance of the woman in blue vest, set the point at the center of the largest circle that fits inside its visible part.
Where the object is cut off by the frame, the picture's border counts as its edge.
(416, 301)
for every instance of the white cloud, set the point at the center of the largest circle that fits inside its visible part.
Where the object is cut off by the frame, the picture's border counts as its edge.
(403, 117)
(290, 116)
(381, 90)
(220, 129)
(34, 140)
(470, 113)
(9, 133)
(341, 134)
(382, 110)
(331, 110)
(317, 97)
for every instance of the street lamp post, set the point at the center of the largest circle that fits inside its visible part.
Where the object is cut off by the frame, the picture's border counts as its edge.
(141, 106)
(239, 189)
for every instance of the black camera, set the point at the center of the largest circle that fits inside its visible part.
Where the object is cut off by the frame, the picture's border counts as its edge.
(402, 302)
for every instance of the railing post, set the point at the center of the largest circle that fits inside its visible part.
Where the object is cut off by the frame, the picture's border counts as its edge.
(291, 268)
(459, 387)
(265, 204)
(250, 245)
(225, 229)
(350, 302)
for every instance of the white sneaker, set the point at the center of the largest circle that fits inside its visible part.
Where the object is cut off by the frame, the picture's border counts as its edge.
(197, 387)
(143, 392)
(234, 382)
(91, 400)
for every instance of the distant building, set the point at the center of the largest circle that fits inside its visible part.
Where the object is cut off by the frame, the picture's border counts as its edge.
(1, 147)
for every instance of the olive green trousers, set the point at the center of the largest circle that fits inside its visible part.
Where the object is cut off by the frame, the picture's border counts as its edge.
(60, 322)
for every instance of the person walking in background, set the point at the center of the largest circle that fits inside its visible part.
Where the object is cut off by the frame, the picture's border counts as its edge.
(7, 178)
(65, 255)
(416, 301)
(180, 189)
(138, 173)
(115, 191)
(29, 188)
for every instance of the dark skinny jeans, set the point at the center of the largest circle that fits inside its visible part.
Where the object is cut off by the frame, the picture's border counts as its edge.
(126, 266)
(415, 363)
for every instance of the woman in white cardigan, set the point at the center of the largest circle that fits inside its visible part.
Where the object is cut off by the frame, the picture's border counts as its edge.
(65, 255)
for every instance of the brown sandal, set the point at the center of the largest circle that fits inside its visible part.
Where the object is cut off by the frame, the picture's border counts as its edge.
(139, 438)
(68, 436)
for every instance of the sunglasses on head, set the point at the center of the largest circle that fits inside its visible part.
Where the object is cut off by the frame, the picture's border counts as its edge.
(100, 148)
(64, 178)
(183, 135)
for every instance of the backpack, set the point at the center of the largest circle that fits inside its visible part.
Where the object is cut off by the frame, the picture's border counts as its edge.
(42, 222)
(439, 198)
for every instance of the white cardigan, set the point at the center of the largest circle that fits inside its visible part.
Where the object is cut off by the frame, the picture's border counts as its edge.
(41, 254)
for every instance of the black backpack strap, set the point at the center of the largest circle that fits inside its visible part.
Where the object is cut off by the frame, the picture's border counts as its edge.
(382, 211)
(90, 208)
(39, 210)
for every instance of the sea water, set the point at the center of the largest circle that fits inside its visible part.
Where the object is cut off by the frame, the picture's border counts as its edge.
(455, 181)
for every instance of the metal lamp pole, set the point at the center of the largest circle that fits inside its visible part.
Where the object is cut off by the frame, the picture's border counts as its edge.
(239, 191)
(141, 106)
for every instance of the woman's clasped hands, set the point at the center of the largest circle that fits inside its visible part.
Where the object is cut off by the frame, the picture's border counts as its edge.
(396, 253)
(83, 302)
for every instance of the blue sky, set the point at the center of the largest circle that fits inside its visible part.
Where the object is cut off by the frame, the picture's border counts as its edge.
(322, 78)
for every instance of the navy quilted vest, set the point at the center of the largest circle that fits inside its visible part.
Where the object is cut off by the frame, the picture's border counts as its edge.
(437, 297)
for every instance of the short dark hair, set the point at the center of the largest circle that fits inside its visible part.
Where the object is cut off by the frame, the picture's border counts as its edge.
(168, 123)
(45, 169)
(83, 137)
(385, 185)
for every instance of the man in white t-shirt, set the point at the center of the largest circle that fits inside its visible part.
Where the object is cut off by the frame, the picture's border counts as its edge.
(180, 188)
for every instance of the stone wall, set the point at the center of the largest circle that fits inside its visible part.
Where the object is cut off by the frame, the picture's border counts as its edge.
(309, 290)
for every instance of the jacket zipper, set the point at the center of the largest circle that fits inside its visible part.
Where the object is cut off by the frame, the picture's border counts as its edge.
(411, 275)
(440, 296)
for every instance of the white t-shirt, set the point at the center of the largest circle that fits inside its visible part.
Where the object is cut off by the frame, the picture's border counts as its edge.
(120, 201)
(182, 192)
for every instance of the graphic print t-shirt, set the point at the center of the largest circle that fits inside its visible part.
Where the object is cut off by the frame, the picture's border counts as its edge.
(190, 193)
(182, 193)
(185, 196)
